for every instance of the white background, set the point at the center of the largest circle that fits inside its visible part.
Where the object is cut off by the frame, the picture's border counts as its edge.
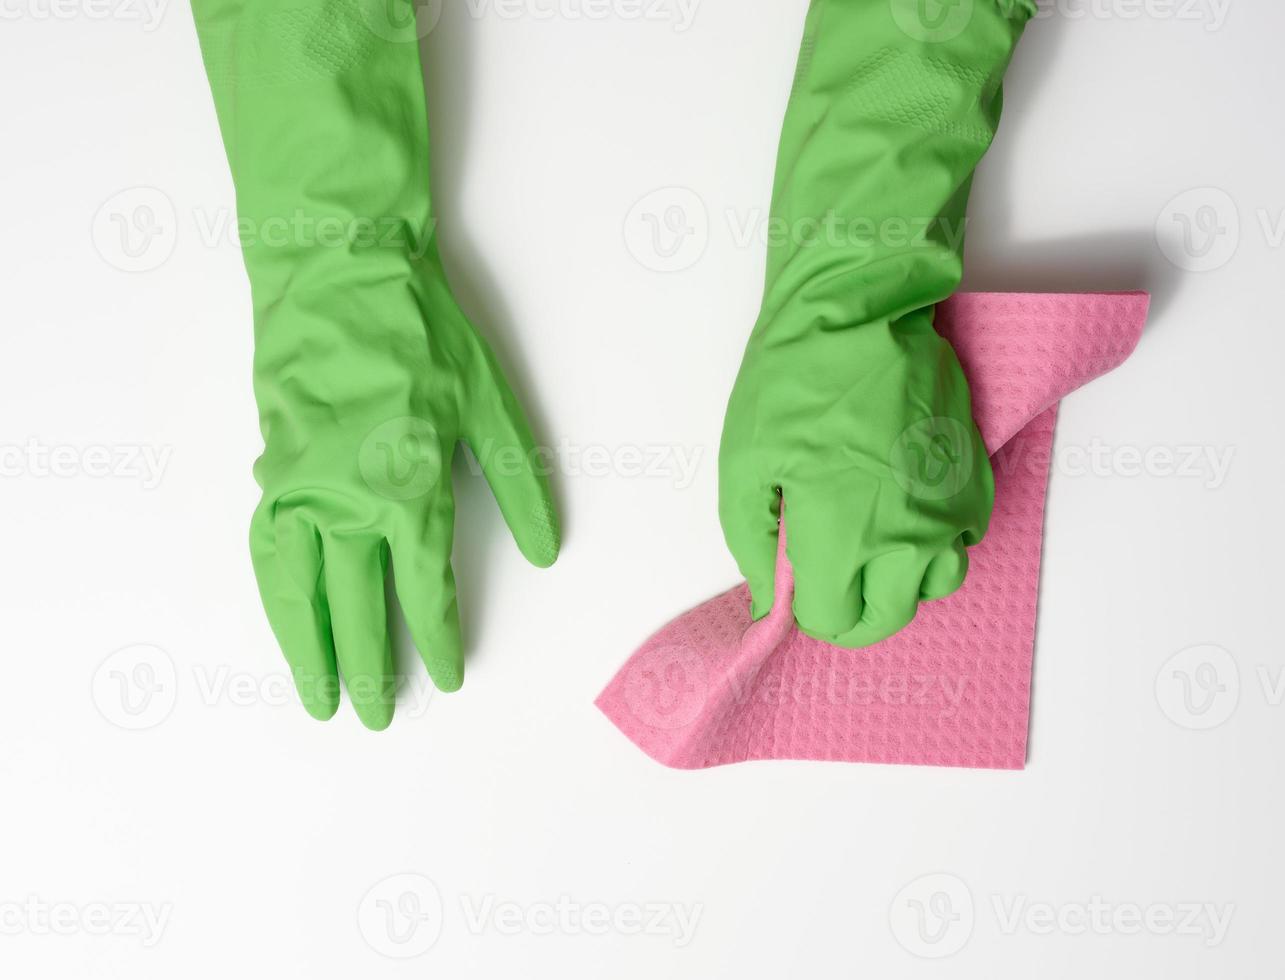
(257, 833)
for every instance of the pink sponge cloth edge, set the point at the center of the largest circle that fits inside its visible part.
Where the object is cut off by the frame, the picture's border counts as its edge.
(952, 689)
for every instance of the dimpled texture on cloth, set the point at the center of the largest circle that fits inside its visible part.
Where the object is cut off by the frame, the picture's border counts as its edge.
(953, 688)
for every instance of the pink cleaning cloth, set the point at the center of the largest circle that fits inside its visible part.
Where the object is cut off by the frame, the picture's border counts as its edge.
(953, 688)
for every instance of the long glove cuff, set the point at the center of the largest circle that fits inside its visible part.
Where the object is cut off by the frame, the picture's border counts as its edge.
(893, 106)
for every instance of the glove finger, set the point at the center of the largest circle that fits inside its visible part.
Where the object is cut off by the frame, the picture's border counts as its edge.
(983, 483)
(826, 553)
(946, 572)
(354, 569)
(499, 436)
(425, 585)
(286, 552)
(751, 525)
(500, 439)
(890, 587)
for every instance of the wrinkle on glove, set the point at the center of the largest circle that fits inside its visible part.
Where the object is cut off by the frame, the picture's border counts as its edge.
(849, 409)
(366, 372)
(952, 689)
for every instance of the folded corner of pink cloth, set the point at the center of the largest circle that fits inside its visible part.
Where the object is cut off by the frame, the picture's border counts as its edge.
(953, 689)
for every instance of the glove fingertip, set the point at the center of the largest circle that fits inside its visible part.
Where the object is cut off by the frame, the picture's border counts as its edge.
(542, 541)
(376, 718)
(448, 682)
(762, 597)
(318, 692)
(445, 666)
(321, 710)
(946, 573)
(443, 652)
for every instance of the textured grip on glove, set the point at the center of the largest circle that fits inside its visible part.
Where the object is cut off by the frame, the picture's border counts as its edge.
(268, 45)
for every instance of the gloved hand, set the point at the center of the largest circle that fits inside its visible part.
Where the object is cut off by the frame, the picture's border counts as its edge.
(366, 372)
(848, 406)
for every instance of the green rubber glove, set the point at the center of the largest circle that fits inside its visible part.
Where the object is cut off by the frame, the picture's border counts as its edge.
(848, 406)
(366, 372)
